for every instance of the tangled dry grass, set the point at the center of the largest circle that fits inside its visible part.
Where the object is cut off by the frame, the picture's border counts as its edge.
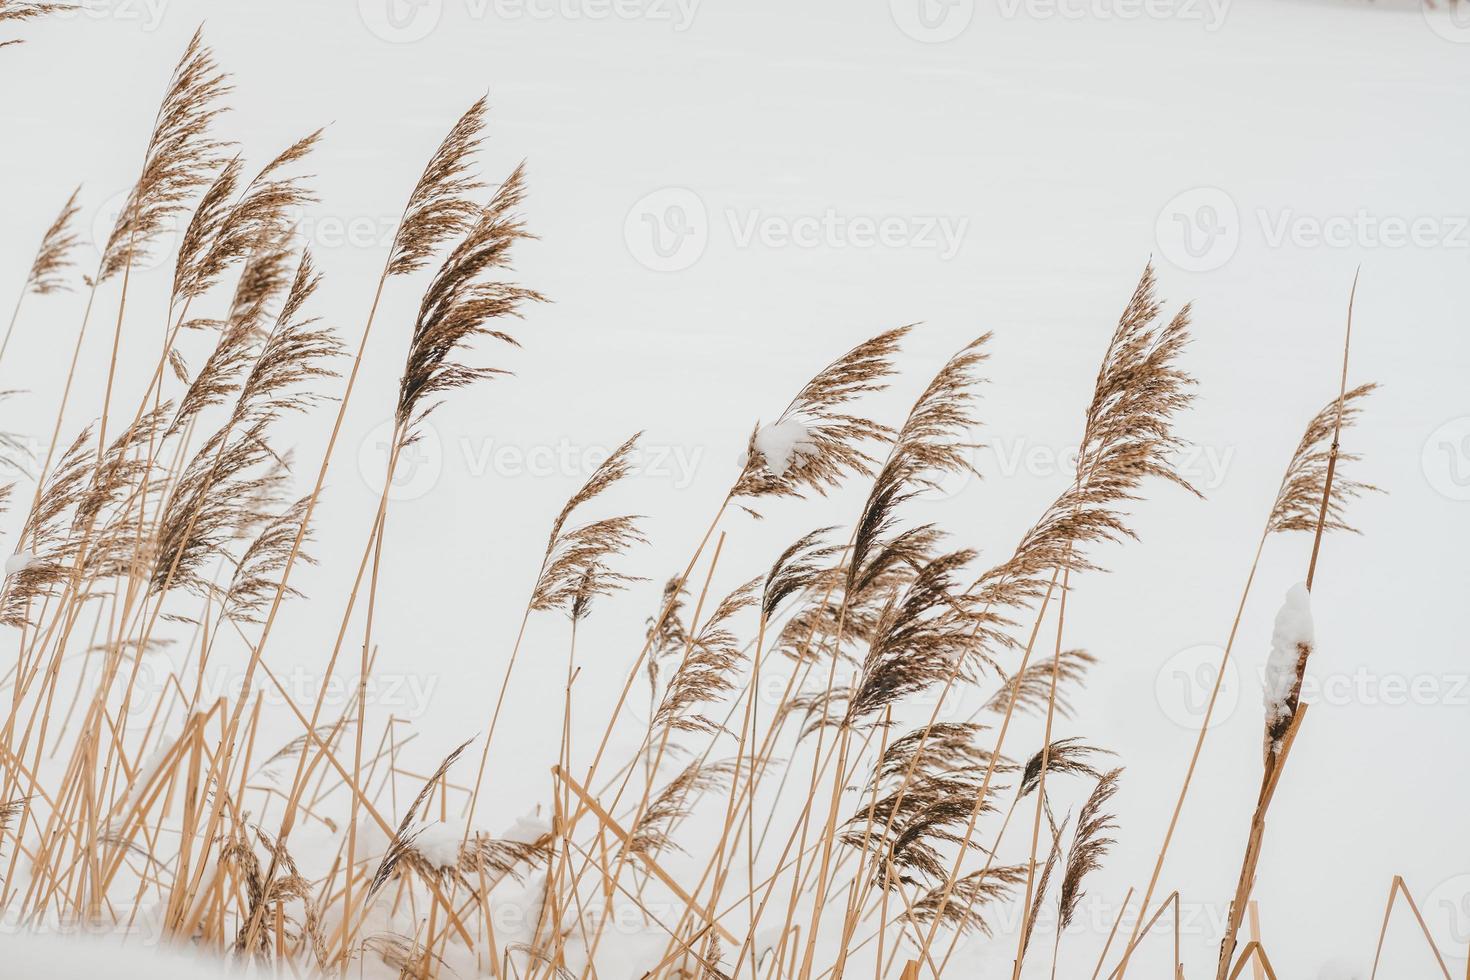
(852, 829)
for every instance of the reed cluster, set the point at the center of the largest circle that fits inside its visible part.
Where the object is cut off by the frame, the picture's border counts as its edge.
(853, 827)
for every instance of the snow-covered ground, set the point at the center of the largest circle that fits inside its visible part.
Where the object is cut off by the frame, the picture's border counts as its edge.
(727, 194)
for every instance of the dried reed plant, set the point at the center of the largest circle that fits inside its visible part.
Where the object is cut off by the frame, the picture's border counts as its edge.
(794, 803)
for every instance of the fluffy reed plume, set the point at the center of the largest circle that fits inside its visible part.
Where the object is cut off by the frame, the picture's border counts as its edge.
(213, 501)
(53, 257)
(441, 205)
(1067, 756)
(296, 354)
(666, 635)
(50, 547)
(225, 229)
(964, 910)
(1128, 437)
(706, 672)
(81, 494)
(920, 797)
(459, 302)
(257, 574)
(8, 812)
(1129, 433)
(1053, 856)
(928, 446)
(831, 621)
(1299, 501)
(575, 566)
(1090, 844)
(919, 637)
(814, 442)
(180, 159)
(1031, 688)
(403, 837)
(798, 569)
(284, 888)
(949, 747)
(130, 538)
(125, 480)
(912, 827)
(48, 269)
(23, 10)
(467, 863)
(919, 641)
(295, 747)
(264, 277)
(676, 800)
(204, 512)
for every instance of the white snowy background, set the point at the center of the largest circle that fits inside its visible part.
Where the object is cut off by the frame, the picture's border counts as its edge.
(1023, 160)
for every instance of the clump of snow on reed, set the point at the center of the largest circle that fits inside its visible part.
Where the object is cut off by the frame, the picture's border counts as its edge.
(1290, 639)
